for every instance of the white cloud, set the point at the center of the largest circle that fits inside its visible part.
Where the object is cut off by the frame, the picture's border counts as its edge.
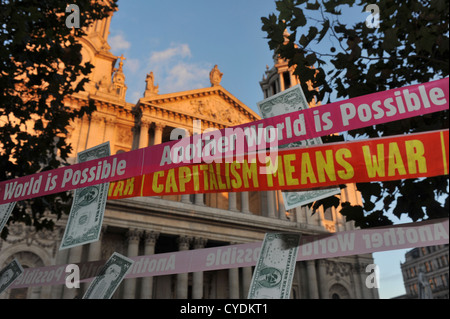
(132, 64)
(180, 51)
(185, 76)
(174, 71)
(118, 42)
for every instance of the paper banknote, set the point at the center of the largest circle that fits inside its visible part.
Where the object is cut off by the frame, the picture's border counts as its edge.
(5, 212)
(10, 273)
(287, 101)
(88, 206)
(108, 280)
(274, 271)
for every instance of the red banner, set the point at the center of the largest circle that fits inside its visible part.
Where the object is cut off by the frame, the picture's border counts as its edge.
(382, 159)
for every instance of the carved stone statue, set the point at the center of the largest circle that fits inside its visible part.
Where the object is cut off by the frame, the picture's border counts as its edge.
(150, 89)
(424, 288)
(215, 76)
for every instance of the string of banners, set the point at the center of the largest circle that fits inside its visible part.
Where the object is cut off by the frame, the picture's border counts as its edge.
(232, 142)
(380, 159)
(353, 242)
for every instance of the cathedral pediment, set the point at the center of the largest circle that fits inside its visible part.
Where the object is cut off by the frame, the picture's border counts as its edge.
(213, 104)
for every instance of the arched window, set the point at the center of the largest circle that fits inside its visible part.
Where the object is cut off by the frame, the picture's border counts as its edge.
(338, 291)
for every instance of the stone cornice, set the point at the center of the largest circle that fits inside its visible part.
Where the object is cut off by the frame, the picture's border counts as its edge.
(197, 221)
(162, 99)
(175, 117)
(121, 110)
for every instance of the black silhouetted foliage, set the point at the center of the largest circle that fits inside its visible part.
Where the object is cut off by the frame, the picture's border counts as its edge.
(410, 46)
(40, 65)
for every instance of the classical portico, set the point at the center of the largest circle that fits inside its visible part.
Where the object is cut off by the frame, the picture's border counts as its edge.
(192, 112)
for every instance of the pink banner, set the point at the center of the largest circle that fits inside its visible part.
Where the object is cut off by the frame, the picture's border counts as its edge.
(355, 242)
(355, 113)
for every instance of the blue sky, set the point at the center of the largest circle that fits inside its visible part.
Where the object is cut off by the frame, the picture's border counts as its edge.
(181, 41)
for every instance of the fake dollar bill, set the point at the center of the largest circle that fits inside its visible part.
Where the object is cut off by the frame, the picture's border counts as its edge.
(88, 206)
(288, 101)
(10, 273)
(5, 212)
(108, 280)
(274, 271)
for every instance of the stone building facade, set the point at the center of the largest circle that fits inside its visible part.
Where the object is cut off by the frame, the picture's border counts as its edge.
(152, 225)
(432, 262)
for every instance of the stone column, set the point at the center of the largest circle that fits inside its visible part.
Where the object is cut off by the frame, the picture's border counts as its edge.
(95, 252)
(335, 220)
(300, 279)
(281, 207)
(182, 279)
(83, 133)
(355, 269)
(244, 203)
(106, 29)
(365, 294)
(247, 280)
(144, 137)
(197, 277)
(307, 215)
(110, 130)
(312, 283)
(186, 199)
(74, 257)
(158, 133)
(281, 77)
(232, 202)
(323, 289)
(233, 283)
(320, 217)
(149, 249)
(271, 204)
(199, 200)
(133, 237)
